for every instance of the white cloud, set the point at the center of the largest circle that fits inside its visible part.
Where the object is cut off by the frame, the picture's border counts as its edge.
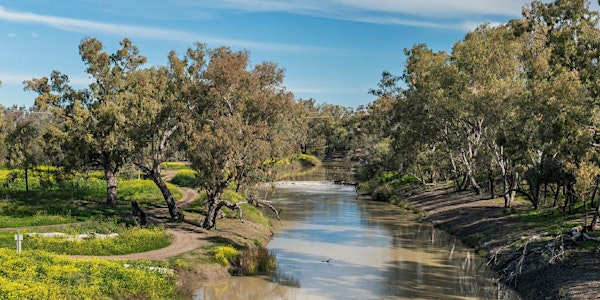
(11, 35)
(456, 14)
(35, 35)
(18, 78)
(77, 25)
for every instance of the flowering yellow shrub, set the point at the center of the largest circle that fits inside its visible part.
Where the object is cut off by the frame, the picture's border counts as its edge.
(42, 275)
(224, 254)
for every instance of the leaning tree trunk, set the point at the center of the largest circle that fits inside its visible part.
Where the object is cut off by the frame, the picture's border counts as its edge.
(174, 211)
(214, 206)
(154, 174)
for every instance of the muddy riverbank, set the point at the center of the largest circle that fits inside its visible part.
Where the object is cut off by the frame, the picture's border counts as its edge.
(486, 226)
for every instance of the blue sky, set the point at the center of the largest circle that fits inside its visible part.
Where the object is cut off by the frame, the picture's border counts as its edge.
(333, 50)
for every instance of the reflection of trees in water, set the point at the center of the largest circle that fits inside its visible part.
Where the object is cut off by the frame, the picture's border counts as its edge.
(327, 172)
(459, 273)
(285, 279)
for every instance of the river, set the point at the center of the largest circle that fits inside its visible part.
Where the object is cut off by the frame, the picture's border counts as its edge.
(334, 245)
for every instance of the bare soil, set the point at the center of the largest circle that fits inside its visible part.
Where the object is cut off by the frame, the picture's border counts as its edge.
(483, 224)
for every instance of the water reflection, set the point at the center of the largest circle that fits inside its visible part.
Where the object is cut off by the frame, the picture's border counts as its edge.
(334, 246)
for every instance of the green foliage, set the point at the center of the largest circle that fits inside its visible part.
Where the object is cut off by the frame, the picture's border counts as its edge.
(42, 275)
(185, 178)
(256, 261)
(224, 255)
(254, 214)
(307, 159)
(383, 192)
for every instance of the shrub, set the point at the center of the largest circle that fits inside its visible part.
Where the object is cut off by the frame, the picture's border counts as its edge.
(383, 192)
(257, 261)
(185, 178)
(224, 255)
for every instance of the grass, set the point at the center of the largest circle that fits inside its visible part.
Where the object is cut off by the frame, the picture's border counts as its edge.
(144, 191)
(43, 275)
(56, 197)
(185, 178)
(39, 218)
(129, 240)
(174, 165)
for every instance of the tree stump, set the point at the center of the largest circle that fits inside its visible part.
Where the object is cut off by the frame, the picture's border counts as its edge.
(139, 217)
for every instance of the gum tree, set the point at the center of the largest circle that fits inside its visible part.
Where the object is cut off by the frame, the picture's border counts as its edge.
(239, 123)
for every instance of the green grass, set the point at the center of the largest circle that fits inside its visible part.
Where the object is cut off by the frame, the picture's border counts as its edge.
(185, 178)
(56, 197)
(39, 218)
(129, 239)
(144, 191)
(174, 165)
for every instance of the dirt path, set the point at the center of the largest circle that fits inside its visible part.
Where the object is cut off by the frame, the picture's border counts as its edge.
(186, 237)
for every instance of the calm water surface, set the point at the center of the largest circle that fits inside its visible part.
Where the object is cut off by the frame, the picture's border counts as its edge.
(335, 246)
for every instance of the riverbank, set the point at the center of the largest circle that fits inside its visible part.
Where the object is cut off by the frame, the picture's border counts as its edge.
(504, 235)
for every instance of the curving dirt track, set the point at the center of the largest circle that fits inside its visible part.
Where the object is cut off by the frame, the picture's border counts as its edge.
(186, 237)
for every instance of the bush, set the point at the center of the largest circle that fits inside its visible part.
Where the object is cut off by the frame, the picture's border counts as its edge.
(185, 178)
(257, 261)
(383, 193)
(224, 255)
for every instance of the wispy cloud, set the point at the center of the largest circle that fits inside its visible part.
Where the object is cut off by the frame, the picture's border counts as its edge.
(456, 14)
(18, 78)
(11, 35)
(85, 26)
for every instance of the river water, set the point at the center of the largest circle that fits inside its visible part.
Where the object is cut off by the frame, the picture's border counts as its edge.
(334, 245)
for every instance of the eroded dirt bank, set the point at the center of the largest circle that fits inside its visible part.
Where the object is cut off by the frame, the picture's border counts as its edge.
(486, 226)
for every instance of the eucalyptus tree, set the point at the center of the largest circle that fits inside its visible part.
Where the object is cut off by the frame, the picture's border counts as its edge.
(560, 64)
(24, 144)
(426, 113)
(492, 84)
(94, 119)
(239, 114)
(369, 138)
